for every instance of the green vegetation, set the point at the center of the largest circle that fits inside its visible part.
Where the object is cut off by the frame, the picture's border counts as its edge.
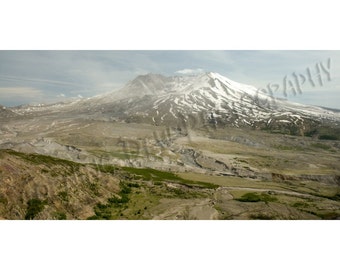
(261, 217)
(180, 193)
(328, 133)
(328, 137)
(141, 190)
(288, 147)
(135, 185)
(249, 197)
(46, 160)
(70, 166)
(328, 215)
(319, 208)
(300, 205)
(102, 211)
(124, 189)
(63, 195)
(3, 199)
(60, 215)
(335, 197)
(34, 207)
(152, 174)
(105, 211)
(321, 146)
(115, 201)
(148, 174)
(255, 197)
(230, 181)
(93, 186)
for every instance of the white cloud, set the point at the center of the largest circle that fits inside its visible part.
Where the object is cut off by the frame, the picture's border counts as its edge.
(61, 95)
(188, 71)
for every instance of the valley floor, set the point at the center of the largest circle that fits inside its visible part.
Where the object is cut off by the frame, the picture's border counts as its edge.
(90, 169)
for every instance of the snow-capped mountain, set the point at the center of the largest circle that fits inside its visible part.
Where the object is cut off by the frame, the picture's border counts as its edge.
(208, 98)
(205, 98)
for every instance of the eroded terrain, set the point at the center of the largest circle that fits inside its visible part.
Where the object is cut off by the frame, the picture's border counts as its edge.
(69, 168)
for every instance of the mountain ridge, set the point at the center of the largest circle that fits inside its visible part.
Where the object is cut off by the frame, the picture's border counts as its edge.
(217, 99)
(204, 99)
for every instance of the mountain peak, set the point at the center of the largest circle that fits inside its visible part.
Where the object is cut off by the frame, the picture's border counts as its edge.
(156, 84)
(148, 83)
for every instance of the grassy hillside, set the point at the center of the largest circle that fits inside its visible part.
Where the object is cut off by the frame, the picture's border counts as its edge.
(41, 187)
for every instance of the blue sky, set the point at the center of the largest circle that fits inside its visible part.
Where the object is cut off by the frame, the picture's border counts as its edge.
(51, 76)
